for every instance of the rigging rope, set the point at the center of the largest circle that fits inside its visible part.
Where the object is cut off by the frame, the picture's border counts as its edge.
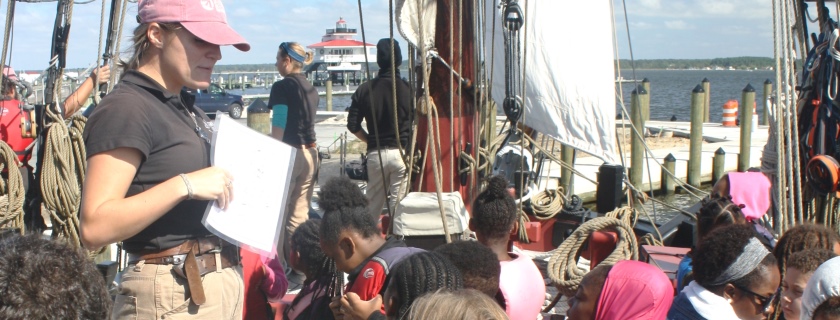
(63, 161)
(431, 117)
(10, 16)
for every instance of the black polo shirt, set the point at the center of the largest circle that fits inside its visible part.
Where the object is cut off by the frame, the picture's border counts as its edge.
(140, 114)
(302, 99)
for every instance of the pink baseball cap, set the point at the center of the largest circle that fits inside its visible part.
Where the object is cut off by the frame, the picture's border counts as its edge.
(10, 73)
(203, 18)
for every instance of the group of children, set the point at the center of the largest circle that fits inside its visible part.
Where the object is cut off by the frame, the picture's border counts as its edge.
(388, 280)
(735, 271)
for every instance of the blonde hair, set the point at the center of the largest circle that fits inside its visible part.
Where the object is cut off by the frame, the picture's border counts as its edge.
(308, 56)
(465, 304)
(141, 43)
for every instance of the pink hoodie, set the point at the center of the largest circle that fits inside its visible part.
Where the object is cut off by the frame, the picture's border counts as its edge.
(635, 290)
(751, 189)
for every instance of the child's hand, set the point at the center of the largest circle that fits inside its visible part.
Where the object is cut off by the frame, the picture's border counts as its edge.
(335, 307)
(355, 308)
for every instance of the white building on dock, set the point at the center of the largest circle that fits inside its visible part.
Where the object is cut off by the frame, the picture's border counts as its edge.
(340, 56)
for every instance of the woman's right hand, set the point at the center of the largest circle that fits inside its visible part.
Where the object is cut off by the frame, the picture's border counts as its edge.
(212, 183)
(102, 74)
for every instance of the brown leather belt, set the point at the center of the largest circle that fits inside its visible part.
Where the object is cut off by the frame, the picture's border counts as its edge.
(304, 146)
(193, 259)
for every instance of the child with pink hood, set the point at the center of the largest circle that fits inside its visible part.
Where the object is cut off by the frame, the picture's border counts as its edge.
(629, 290)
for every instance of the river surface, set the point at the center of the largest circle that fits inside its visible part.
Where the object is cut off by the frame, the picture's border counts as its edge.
(670, 90)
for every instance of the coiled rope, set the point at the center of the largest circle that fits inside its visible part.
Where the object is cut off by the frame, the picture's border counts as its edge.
(547, 203)
(11, 201)
(562, 266)
(62, 174)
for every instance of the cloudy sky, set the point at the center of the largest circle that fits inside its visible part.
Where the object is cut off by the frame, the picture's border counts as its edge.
(679, 29)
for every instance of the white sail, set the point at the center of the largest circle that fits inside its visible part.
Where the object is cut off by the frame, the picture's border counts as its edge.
(416, 17)
(569, 72)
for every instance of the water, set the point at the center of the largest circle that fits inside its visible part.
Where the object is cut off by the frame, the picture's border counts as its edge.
(670, 90)
(670, 95)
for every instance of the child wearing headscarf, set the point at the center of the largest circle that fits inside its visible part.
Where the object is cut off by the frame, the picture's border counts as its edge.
(631, 290)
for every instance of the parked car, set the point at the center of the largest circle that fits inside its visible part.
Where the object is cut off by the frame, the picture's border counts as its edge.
(214, 99)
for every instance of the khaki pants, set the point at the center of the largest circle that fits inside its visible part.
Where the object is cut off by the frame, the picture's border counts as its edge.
(394, 179)
(300, 194)
(154, 291)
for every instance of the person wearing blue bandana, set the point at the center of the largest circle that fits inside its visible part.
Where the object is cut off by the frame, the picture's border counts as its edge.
(294, 101)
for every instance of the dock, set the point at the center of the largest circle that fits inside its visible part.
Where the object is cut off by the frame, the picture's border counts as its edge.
(715, 136)
(346, 92)
(330, 125)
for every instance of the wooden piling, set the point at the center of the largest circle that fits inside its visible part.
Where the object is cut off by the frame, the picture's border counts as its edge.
(567, 155)
(747, 103)
(707, 87)
(698, 98)
(637, 147)
(765, 114)
(718, 165)
(668, 182)
(646, 100)
(329, 95)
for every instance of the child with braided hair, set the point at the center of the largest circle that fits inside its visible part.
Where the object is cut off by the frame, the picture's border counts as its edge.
(805, 236)
(715, 212)
(416, 275)
(351, 237)
(313, 300)
(477, 265)
(799, 268)
(493, 221)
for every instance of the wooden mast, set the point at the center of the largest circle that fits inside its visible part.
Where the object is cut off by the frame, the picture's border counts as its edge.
(461, 117)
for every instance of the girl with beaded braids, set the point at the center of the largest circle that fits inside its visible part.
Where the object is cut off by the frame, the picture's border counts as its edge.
(800, 238)
(494, 220)
(414, 276)
(313, 300)
(805, 236)
(735, 277)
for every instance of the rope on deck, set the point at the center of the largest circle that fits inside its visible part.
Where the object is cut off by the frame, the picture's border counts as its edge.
(562, 266)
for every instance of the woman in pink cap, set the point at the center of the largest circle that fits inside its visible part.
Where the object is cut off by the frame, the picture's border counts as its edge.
(149, 177)
(629, 290)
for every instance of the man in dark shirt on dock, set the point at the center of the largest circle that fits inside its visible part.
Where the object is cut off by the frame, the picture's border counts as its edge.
(374, 102)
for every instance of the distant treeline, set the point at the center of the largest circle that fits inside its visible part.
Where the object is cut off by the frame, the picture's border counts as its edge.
(741, 63)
